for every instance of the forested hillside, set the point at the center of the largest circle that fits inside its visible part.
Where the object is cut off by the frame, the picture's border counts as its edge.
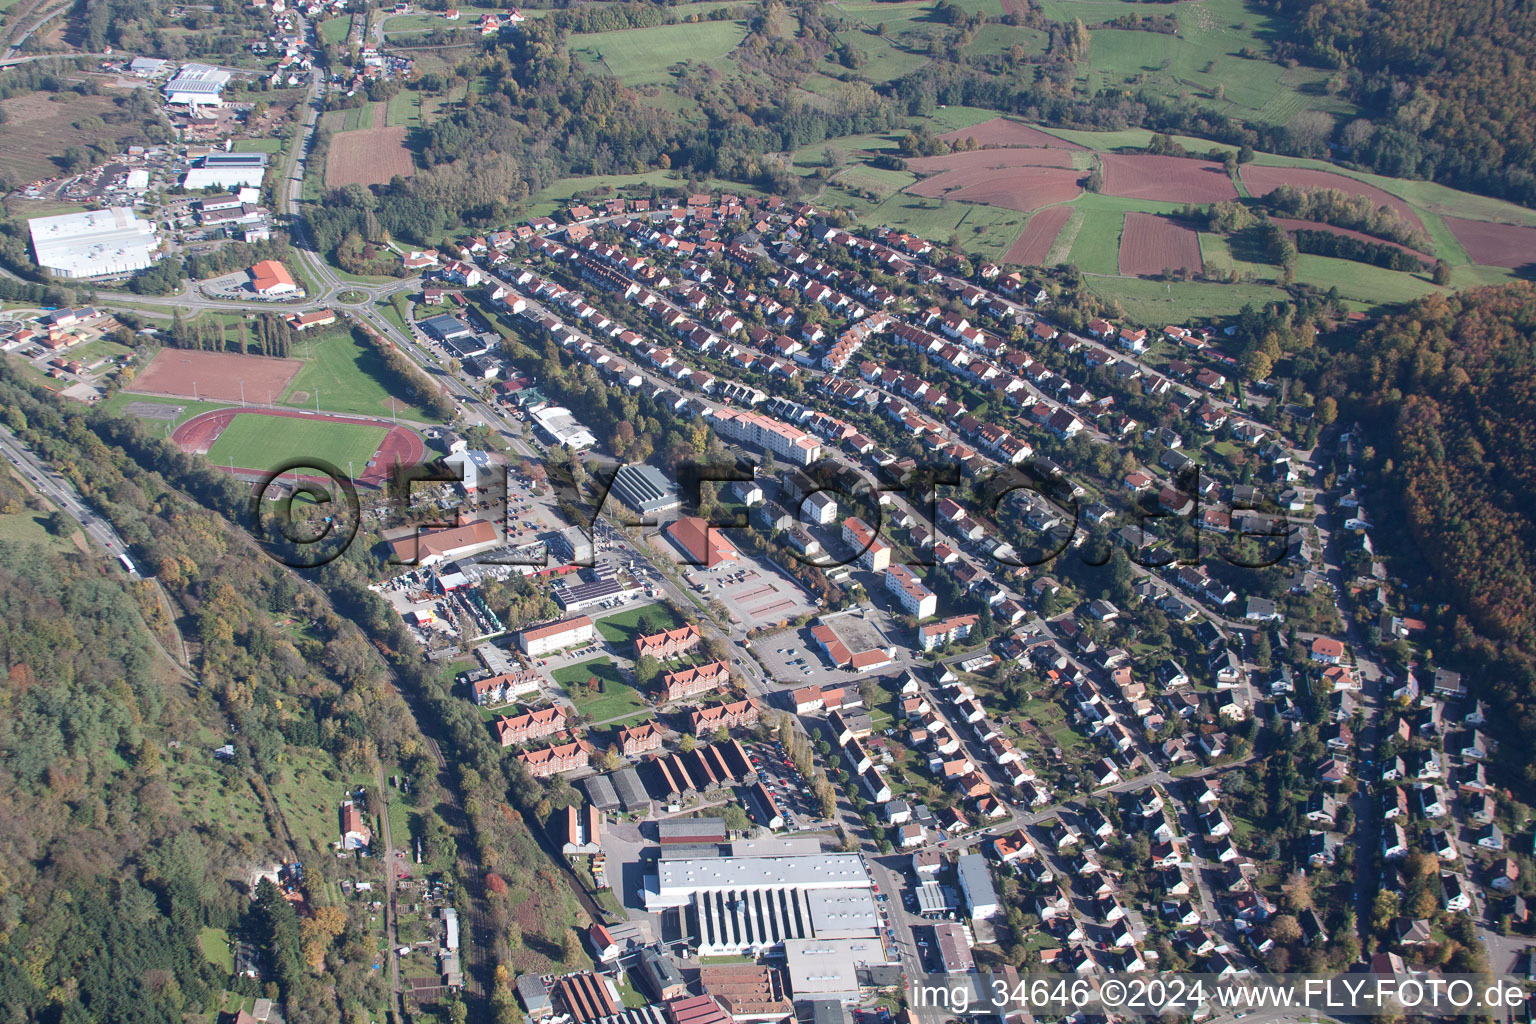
(127, 837)
(106, 880)
(1452, 86)
(1449, 391)
(128, 846)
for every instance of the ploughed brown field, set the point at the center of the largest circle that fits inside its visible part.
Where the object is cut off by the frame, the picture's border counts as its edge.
(1009, 178)
(368, 156)
(1151, 244)
(990, 160)
(1034, 243)
(1261, 181)
(1166, 179)
(215, 376)
(1003, 131)
(1497, 245)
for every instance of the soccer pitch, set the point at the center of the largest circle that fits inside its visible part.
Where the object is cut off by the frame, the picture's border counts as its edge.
(254, 441)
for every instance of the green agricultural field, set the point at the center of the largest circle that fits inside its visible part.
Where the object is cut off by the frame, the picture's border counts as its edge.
(203, 792)
(253, 441)
(884, 59)
(333, 31)
(258, 145)
(1216, 254)
(308, 794)
(1132, 139)
(985, 230)
(814, 155)
(1425, 195)
(991, 40)
(30, 527)
(948, 119)
(1363, 282)
(349, 377)
(404, 109)
(1202, 59)
(880, 181)
(1172, 302)
(615, 699)
(1096, 249)
(100, 348)
(557, 195)
(416, 24)
(639, 56)
(621, 628)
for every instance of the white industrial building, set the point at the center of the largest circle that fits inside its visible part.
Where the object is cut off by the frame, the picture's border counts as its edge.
(557, 423)
(197, 85)
(227, 170)
(478, 467)
(146, 67)
(746, 904)
(94, 243)
(829, 968)
(976, 884)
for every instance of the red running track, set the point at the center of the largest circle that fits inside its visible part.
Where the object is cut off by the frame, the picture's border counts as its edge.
(400, 445)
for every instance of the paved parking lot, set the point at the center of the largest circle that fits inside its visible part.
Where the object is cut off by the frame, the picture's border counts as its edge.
(789, 787)
(793, 658)
(754, 592)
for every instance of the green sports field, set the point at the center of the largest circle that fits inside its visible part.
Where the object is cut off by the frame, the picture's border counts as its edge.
(349, 377)
(255, 441)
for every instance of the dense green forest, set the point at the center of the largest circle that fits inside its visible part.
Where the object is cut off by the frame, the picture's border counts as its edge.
(1447, 391)
(1451, 86)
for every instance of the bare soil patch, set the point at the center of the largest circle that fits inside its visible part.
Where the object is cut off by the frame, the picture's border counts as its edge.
(1034, 243)
(1012, 188)
(1261, 181)
(1151, 244)
(215, 376)
(990, 160)
(1004, 131)
(368, 156)
(1166, 179)
(1496, 245)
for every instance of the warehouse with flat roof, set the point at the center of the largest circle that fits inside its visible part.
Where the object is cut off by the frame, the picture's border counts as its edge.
(976, 884)
(94, 243)
(829, 968)
(197, 85)
(645, 489)
(227, 170)
(746, 904)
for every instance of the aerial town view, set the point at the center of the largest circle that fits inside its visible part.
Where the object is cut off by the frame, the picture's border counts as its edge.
(815, 511)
